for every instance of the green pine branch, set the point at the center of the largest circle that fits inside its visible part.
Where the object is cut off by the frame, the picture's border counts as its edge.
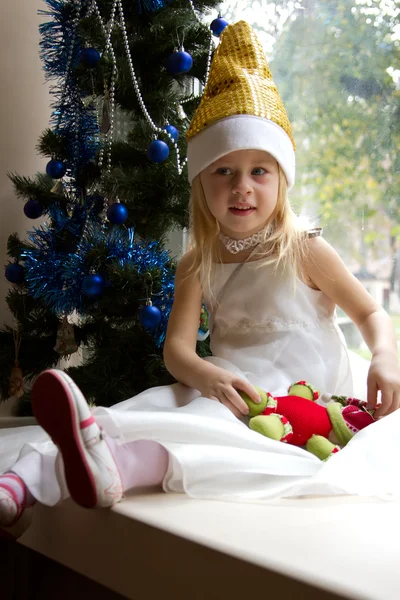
(102, 378)
(35, 355)
(26, 187)
(15, 247)
(38, 187)
(50, 144)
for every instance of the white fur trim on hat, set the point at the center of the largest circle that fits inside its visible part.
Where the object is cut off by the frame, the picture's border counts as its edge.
(241, 132)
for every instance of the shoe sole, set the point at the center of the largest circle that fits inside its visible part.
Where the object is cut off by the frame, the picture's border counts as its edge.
(53, 404)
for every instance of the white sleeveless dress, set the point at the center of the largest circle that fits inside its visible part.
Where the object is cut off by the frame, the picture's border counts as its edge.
(276, 332)
(271, 335)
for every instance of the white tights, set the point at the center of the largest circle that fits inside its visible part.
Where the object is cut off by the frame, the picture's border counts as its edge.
(141, 463)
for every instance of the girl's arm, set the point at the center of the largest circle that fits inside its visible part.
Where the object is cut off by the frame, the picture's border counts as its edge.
(326, 271)
(180, 356)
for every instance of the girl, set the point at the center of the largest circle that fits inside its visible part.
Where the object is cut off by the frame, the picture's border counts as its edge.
(271, 287)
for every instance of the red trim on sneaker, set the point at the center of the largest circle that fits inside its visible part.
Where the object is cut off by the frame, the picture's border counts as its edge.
(87, 422)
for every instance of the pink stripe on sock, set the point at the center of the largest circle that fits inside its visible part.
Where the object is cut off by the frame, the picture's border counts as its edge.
(12, 493)
(19, 481)
(87, 422)
(15, 477)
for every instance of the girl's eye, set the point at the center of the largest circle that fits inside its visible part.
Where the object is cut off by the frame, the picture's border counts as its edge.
(227, 171)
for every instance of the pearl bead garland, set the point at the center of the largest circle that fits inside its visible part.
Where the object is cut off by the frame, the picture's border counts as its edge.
(211, 46)
(118, 4)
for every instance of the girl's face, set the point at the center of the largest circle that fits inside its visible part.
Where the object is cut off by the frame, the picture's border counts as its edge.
(241, 191)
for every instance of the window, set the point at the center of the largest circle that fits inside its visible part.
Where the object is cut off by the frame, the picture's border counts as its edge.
(336, 65)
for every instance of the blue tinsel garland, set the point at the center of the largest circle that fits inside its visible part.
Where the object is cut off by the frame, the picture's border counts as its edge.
(147, 6)
(57, 36)
(56, 277)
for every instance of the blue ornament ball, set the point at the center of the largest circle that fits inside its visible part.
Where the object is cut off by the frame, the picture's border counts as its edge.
(158, 151)
(117, 213)
(179, 62)
(150, 316)
(32, 209)
(90, 57)
(173, 132)
(56, 169)
(14, 273)
(93, 285)
(218, 25)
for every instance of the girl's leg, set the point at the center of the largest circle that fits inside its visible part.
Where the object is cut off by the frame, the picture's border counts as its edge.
(14, 498)
(97, 470)
(140, 464)
(34, 477)
(92, 467)
(41, 477)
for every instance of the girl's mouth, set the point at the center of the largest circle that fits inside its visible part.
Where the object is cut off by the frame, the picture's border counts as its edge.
(242, 212)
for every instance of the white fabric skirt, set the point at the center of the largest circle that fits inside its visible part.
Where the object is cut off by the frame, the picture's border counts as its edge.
(214, 455)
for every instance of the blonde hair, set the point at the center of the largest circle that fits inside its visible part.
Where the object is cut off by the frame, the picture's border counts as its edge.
(284, 245)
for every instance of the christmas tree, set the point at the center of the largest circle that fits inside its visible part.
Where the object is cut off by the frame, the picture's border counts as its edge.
(95, 273)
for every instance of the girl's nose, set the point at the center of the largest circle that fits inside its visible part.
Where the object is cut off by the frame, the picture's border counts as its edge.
(241, 185)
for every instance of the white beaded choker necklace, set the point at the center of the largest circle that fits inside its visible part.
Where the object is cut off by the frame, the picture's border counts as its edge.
(235, 246)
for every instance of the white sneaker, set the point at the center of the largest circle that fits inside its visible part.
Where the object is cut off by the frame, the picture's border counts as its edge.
(91, 473)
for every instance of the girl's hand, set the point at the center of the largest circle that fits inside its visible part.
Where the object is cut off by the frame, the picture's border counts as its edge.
(384, 375)
(221, 385)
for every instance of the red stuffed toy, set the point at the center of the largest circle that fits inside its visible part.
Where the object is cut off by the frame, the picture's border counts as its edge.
(296, 419)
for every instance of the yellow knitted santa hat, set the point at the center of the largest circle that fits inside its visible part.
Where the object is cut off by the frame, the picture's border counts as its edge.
(241, 108)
